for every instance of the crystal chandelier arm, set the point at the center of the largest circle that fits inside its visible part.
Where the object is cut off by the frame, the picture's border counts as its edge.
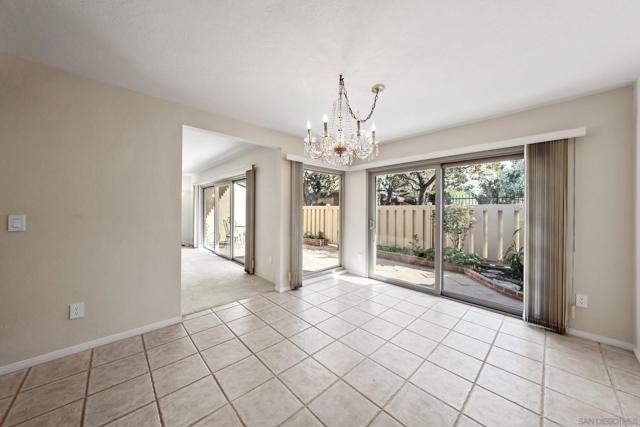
(373, 106)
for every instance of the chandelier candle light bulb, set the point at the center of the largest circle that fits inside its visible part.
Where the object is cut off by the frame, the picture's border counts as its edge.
(339, 145)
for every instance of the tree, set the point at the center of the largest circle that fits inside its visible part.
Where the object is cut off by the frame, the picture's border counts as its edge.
(420, 182)
(319, 185)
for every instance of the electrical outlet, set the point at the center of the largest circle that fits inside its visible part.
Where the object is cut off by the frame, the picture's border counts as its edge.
(76, 310)
(582, 301)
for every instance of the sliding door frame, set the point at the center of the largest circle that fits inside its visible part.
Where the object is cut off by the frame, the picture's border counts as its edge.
(438, 164)
(338, 267)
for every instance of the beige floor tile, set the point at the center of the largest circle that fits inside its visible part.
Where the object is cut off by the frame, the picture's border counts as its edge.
(630, 405)
(308, 379)
(465, 421)
(201, 323)
(476, 331)
(523, 330)
(314, 315)
(516, 364)
(225, 354)
(68, 415)
(511, 387)
(440, 319)
(621, 359)
(451, 309)
(147, 416)
(522, 347)
(268, 405)
(416, 344)
(311, 340)
(384, 420)
(273, 314)
(164, 335)
(439, 382)
(411, 309)
(386, 300)
(340, 405)
(257, 303)
(281, 356)
(492, 410)
(355, 316)
(246, 324)
(261, 338)
(467, 345)
(210, 337)
(381, 328)
(415, 408)
(117, 350)
(456, 362)
(296, 306)
(572, 343)
(290, 325)
(223, 417)
(191, 403)
(397, 359)
(371, 307)
(362, 341)
(9, 383)
(334, 307)
(335, 327)
(232, 313)
(374, 381)
(243, 376)
(590, 392)
(116, 401)
(428, 330)
(338, 358)
(57, 369)
(397, 317)
(39, 400)
(303, 418)
(4, 406)
(350, 299)
(587, 367)
(490, 322)
(179, 374)
(567, 411)
(121, 370)
(168, 353)
(196, 314)
(315, 299)
(625, 381)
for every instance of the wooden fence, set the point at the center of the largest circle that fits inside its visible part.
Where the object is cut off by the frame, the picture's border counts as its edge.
(325, 219)
(493, 231)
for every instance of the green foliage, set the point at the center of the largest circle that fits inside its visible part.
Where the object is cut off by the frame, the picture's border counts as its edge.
(495, 182)
(514, 259)
(456, 222)
(318, 185)
(319, 236)
(449, 254)
(458, 256)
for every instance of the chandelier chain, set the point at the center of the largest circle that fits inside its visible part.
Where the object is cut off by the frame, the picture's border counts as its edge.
(373, 106)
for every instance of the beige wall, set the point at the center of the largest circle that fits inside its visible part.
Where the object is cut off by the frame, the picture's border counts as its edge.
(187, 210)
(637, 217)
(97, 171)
(605, 170)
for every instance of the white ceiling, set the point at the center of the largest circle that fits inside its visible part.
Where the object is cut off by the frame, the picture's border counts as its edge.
(202, 149)
(275, 63)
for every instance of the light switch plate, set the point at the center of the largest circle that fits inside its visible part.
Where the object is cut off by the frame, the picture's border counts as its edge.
(16, 222)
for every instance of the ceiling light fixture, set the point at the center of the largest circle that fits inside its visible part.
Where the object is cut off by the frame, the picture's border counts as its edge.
(347, 139)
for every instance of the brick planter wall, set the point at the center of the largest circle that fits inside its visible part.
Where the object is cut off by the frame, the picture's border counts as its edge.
(315, 242)
(467, 271)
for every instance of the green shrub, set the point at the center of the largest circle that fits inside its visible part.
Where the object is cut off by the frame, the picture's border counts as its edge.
(514, 259)
(319, 235)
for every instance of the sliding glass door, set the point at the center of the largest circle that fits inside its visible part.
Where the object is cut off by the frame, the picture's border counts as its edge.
(322, 220)
(404, 229)
(208, 217)
(239, 218)
(224, 218)
(483, 232)
(455, 229)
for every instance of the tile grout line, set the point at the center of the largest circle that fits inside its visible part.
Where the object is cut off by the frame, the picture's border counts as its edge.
(613, 386)
(15, 397)
(86, 389)
(153, 385)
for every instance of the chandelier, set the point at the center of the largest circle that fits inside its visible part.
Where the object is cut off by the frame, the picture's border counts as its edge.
(347, 138)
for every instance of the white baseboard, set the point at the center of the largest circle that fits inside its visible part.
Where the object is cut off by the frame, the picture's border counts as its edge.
(27, 363)
(602, 339)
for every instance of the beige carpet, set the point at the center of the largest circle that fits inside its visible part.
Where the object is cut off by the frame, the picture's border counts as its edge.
(209, 280)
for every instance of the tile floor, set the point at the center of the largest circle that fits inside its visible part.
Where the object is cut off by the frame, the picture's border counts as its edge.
(346, 352)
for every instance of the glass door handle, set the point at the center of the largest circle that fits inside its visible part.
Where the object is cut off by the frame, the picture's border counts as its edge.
(372, 225)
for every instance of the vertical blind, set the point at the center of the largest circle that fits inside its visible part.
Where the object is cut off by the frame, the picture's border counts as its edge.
(250, 230)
